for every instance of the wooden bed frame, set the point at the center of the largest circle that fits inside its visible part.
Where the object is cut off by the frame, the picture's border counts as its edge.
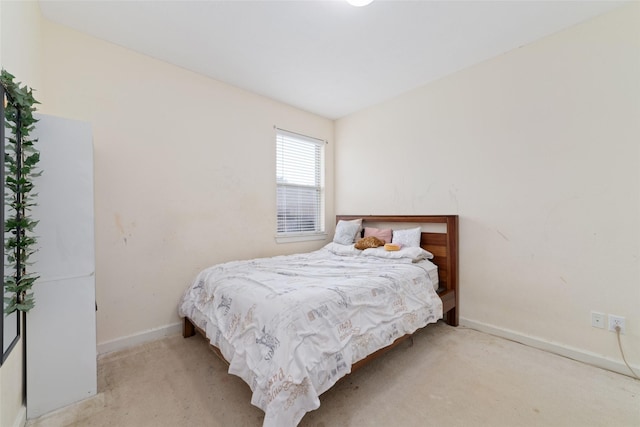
(444, 247)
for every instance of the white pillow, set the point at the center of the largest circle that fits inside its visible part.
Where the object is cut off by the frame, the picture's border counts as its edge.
(409, 238)
(346, 231)
(416, 254)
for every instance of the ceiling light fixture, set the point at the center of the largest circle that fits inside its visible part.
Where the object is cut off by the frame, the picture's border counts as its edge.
(359, 3)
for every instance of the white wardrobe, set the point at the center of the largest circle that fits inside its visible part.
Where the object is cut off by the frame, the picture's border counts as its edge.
(61, 328)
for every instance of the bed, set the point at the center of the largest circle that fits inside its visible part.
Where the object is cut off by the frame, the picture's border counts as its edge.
(292, 326)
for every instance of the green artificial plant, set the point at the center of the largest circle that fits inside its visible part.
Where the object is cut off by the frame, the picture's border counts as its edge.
(20, 160)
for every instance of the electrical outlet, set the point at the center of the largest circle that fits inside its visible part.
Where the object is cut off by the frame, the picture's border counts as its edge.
(597, 319)
(616, 321)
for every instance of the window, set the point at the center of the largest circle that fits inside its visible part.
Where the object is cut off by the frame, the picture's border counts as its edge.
(300, 183)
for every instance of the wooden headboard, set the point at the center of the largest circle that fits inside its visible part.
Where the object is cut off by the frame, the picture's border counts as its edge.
(443, 245)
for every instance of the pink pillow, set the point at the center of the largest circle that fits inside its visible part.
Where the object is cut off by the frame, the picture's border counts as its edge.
(382, 234)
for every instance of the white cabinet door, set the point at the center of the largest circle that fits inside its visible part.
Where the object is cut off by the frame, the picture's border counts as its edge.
(61, 328)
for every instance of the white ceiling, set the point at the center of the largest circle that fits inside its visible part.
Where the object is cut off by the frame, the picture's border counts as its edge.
(326, 57)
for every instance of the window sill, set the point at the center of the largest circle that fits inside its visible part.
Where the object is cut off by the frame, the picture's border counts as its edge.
(292, 237)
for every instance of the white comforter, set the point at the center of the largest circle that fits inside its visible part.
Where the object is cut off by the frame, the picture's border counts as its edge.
(291, 326)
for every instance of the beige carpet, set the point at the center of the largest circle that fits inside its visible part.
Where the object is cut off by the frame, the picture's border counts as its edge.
(450, 376)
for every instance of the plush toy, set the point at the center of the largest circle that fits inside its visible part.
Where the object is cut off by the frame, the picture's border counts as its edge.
(369, 242)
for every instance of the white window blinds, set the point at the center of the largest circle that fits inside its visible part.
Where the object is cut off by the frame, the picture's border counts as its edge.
(300, 182)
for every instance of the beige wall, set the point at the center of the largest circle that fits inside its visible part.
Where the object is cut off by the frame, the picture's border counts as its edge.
(22, 43)
(538, 152)
(20, 53)
(184, 173)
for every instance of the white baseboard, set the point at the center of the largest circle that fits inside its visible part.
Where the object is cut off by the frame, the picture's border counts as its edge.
(139, 338)
(556, 348)
(21, 418)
